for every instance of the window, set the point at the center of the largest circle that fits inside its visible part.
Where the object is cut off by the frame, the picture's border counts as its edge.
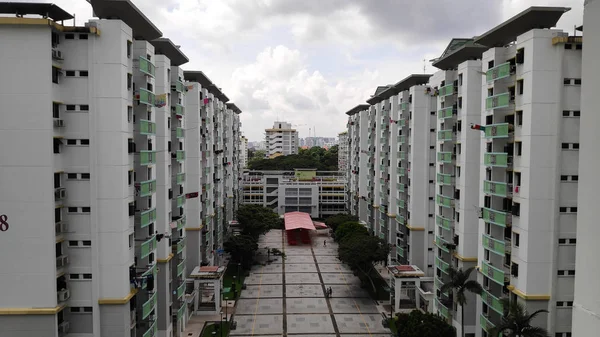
(566, 113)
(516, 209)
(519, 115)
(516, 237)
(129, 45)
(490, 64)
(571, 272)
(560, 273)
(84, 141)
(72, 209)
(85, 176)
(575, 146)
(568, 46)
(71, 175)
(567, 81)
(576, 113)
(562, 209)
(83, 73)
(84, 107)
(87, 243)
(518, 148)
(520, 57)
(129, 81)
(74, 276)
(83, 36)
(460, 79)
(86, 209)
(562, 241)
(69, 36)
(460, 102)
(514, 270)
(73, 243)
(70, 73)
(578, 46)
(55, 74)
(565, 146)
(520, 86)
(575, 178)
(572, 241)
(578, 81)
(71, 141)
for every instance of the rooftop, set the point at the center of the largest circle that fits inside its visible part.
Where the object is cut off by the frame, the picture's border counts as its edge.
(405, 84)
(357, 109)
(46, 10)
(198, 77)
(235, 109)
(405, 271)
(125, 10)
(164, 46)
(208, 272)
(458, 51)
(532, 18)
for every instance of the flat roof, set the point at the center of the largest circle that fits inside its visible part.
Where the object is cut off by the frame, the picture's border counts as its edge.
(217, 92)
(405, 271)
(125, 10)
(208, 272)
(405, 84)
(164, 46)
(235, 109)
(531, 18)
(47, 10)
(198, 77)
(467, 51)
(357, 109)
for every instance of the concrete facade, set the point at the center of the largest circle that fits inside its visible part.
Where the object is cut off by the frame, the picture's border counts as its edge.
(281, 139)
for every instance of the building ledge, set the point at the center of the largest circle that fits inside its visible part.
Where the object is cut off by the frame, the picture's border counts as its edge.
(116, 301)
(536, 297)
(464, 258)
(165, 260)
(32, 311)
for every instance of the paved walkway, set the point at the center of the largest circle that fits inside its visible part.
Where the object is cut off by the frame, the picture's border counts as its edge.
(287, 296)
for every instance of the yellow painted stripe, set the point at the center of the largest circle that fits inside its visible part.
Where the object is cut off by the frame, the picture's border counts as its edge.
(257, 300)
(464, 258)
(537, 297)
(165, 260)
(114, 301)
(32, 311)
(416, 229)
(192, 229)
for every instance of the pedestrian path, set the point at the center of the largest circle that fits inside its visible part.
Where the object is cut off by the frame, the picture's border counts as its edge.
(287, 296)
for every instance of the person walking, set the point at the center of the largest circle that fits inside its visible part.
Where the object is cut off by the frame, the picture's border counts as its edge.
(324, 243)
(330, 291)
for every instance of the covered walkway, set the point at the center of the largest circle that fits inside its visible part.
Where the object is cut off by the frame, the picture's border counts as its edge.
(297, 227)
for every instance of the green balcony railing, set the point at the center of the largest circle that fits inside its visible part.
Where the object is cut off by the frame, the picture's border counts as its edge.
(496, 188)
(492, 301)
(401, 155)
(181, 312)
(447, 90)
(500, 130)
(443, 222)
(147, 217)
(382, 168)
(180, 133)
(498, 72)
(147, 157)
(147, 67)
(497, 159)
(152, 331)
(441, 244)
(497, 101)
(181, 290)
(180, 268)
(404, 106)
(402, 139)
(400, 203)
(181, 223)
(399, 219)
(444, 201)
(444, 157)
(146, 97)
(181, 200)
(442, 309)
(485, 323)
(180, 246)
(445, 135)
(401, 123)
(147, 127)
(400, 187)
(149, 306)
(147, 188)
(445, 113)
(179, 110)
(179, 86)
(493, 273)
(400, 171)
(439, 283)
(444, 266)
(147, 247)
(400, 251)
(496, 217)
(180, 155)
(180, 178)
(495, 245)
(445, 179)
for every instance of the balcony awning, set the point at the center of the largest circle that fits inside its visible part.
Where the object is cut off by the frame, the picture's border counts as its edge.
(298, 220)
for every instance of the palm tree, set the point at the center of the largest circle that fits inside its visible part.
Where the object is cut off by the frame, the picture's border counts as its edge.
(460, 284)
(516, 321)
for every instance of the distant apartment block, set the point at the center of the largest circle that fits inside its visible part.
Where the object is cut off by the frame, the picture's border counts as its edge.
(281, 139)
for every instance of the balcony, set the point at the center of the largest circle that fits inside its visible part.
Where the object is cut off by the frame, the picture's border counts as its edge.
(146, 66)
(497, 159)
(400, 203)
(181, 290)
(443, 222)
(445, 113)
(400, 187)
(485, 323)
(181, 200)
(180, 133)
(147, 157)
(401, 123)
(444, 201)
(146, 218)
(181, 268)
(496, 217)
(493, 273)
(497, 101)
(442, 265)
(445, 157)
(181, 223)
(401, 155)
(400, 251)
(441, 244)
(145, 97)
(498, 72)
(442, 309)
(445, 179)
(147, 188)
(181, 312)
(445, 135)
(178, 86)
(180, 178)
(62, 261)
(152, 331)
(179, 110)
(492, 301)
(496, 246)
(399, 219)
(147, 127)
(496, 188)
(149, 306)
(500, 130)
(404, 106)
(402, 139)
(178, 247)
(400, 171)
(147, 247)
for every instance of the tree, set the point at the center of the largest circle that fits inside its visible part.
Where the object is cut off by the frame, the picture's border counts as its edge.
(334, 221)
(516, 321)
(256, 220)
(315, 157)
(242, 248)
(460, 284)
(419, 324)
(361, 251)
(348, 229)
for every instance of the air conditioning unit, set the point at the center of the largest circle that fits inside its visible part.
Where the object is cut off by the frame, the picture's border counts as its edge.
(64, 327)
(64, 295)
(59, 123)
(60, 193)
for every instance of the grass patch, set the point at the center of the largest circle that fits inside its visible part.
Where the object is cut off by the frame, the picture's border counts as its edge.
(232, 270)
(218, 328)
(392, 325)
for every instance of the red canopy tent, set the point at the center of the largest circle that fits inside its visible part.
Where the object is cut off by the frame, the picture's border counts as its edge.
(298, 222)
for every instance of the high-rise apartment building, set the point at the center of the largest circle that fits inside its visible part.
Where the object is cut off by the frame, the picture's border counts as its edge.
(343, 148)
(103, 135)
(586, 308)
(281, 139)
(357, 161)
(243, 152)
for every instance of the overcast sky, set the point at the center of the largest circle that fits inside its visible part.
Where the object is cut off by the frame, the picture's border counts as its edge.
(309, 61)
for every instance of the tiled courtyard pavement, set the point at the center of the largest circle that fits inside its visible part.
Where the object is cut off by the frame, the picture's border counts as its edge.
(286, 297)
